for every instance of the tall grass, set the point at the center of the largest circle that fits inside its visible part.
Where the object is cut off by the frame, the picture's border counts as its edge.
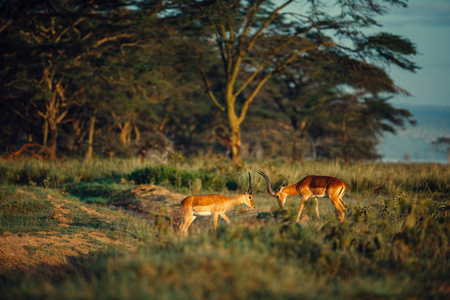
(23, 212)
(397, 248)
(216, 174)
(56, 173)
(399, 251)
(367, 178)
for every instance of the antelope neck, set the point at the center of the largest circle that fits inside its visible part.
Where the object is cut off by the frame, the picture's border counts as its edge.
(290, 190)
(239, 198)
(231, 202)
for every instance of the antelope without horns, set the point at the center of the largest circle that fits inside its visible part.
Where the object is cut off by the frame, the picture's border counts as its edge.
(312, 185)
(215, 205)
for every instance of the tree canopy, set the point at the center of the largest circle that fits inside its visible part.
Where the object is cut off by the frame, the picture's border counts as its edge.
(290, 78)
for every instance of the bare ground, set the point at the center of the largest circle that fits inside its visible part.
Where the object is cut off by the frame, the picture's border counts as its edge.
(51, 254)
(54, 255)
(156, 202)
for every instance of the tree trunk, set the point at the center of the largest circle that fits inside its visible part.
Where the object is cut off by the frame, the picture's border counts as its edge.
(90, 148)
(137, 133)
(235, 128)
(52, 140)
(236, 145)
(125, 133)
(45, 129)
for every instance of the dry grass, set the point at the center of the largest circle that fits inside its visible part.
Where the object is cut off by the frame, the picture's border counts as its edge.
(48, 236)
(393, 244)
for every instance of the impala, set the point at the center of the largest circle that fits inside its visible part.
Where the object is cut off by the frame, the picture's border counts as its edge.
(312, 185)
(215, 204)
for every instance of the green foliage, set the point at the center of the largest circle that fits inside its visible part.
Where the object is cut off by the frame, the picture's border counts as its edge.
(218, 174)
(407, 257)
(176, 158)
(24, 212)
(57, 173)
(97, 192)
(161, 175)
(394, 243)
(146, 78)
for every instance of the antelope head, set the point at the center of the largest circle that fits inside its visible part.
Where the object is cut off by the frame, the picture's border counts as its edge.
(278, 194)
(249, 194)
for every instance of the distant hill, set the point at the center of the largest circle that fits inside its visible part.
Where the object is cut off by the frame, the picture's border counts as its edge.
(414, 141)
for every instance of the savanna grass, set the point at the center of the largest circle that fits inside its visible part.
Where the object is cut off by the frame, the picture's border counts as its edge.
(400, 251)
(24, 212)
(394, 247)
(57, 173)
(362, 178)
(218, 174)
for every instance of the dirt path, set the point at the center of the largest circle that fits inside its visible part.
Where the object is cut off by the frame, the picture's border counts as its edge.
(156, 201)
(54, 254)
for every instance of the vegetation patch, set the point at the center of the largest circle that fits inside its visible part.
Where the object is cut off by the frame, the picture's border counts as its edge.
(162, 175)
(43, 235)
(394, 242)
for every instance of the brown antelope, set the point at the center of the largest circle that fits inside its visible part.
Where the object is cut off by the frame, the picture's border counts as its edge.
(215, 204)
(312, 185)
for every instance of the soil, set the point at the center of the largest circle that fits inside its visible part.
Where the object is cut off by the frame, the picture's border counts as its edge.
(53, 255)
(156, 202)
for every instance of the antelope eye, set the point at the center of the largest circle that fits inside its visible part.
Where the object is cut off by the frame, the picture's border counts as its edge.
(278, 197)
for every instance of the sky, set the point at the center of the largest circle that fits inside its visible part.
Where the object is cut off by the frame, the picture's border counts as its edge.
(427, 24)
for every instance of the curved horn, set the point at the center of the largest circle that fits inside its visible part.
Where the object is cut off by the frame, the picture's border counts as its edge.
(250, 190)
(269, 190)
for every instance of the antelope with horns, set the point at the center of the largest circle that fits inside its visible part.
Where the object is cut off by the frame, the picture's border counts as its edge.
(312, 185)
(215, 204)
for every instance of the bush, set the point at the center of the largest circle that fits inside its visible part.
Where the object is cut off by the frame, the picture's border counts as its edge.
(164, 175)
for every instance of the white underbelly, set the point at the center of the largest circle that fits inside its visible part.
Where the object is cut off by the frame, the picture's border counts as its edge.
(202, 213)
(321, 196)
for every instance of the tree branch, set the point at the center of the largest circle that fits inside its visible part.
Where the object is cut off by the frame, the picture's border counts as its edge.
(6, 25)
(256, 72)
(264, 26)
(243, 35)
(112, 38)
(270, 74)
(208, 88)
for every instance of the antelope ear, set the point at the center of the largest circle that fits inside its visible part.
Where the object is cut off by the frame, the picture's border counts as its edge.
(284, 185)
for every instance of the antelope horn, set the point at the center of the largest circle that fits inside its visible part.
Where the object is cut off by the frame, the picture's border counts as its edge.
(269, 190)
(250, 190)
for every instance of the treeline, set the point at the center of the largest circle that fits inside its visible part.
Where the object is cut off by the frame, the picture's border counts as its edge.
(247, 78)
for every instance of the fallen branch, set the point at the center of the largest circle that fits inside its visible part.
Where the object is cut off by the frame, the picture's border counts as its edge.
(25, 147)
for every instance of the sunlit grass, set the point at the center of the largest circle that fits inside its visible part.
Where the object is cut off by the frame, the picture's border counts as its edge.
(377, 256)
(394, 243)
(218, 174)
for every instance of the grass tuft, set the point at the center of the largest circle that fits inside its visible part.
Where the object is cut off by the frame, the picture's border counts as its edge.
(394, 242)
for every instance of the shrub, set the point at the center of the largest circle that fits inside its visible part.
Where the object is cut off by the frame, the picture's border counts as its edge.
(164, 175)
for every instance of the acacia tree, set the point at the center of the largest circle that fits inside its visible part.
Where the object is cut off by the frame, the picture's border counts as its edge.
(47, 45)
(335, 103)
(258, 39)
(36, 38)
(442, 144)
(53, 51)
